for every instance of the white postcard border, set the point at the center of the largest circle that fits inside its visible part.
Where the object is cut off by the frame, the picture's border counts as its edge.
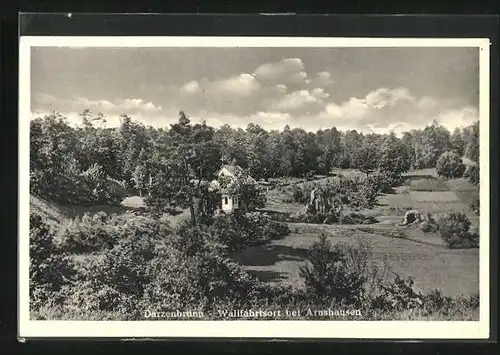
(252, 329)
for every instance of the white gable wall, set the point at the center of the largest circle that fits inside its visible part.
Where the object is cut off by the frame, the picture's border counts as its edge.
(232, 203)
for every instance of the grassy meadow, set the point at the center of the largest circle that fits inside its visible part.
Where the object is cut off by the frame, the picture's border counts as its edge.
(405, 250)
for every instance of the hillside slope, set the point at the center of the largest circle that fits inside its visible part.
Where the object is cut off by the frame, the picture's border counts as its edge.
(52, 212)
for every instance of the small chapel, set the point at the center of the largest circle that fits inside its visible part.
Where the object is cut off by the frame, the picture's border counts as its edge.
(228, 181)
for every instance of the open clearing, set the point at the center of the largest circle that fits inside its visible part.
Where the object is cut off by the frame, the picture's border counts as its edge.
(405, 250)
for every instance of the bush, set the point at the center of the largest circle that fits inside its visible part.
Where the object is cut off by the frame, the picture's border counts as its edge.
(236, 232)
(475, 206)
(50, 266)
(330, 274)
(331, 217)
(430, 225)
(92, 187)
(383, 181)
(355, 192)
(357, 218)
(299, 195)
(398, 295)
(450, 165)
(99, 231)
(472, 174)
(454, 229)
(203, 280)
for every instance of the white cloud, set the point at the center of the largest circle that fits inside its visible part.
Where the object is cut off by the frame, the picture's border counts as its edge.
(74, 119)
(191, 87)
(322, 79)
(242, 85)
(383, 97)
(288, 70)
(281, 88)
(427, 103)
(48, 103)
(320, 93)
(140, 104)
(267, 119)
(299, 102)
(397, 110)
(458, 117)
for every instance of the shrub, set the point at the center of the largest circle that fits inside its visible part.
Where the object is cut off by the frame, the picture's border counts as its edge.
(355, 192)
(236, 232)
(450, 165)
(299, 195)
(357, 218)
(331, 275)
(454, 231)
(101, 188)
(472, 174)
(397, 295)
(251, 194)
(94, 232)
(203, 280)
(91, 187)
(429, 225)
(383, 181)
(50, 267)
(332, 217)
(475, 206)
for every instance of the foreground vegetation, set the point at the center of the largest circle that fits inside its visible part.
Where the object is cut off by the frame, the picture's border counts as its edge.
(147, 264)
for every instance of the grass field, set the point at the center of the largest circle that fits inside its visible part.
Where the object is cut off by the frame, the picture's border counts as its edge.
(405, 250)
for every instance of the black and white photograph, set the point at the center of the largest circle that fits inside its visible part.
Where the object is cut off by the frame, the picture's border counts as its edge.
(206, 186)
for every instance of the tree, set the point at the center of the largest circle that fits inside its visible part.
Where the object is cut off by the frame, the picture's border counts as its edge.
(99, 146)
(351, 143)
(472, 147)
(287, 152)
(232, 144)
(140, 175)
(53, 158)
(133, 138)
(450, 165)
(457, 142)
(255, 144)
(434, 141)
(394, 156)
(191, 156)
(365, 157)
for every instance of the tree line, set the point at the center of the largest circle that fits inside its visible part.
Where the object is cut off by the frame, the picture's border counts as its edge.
(172, 162)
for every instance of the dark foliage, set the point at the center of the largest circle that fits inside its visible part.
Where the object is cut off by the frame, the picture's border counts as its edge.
(454, 229)
(450, 165)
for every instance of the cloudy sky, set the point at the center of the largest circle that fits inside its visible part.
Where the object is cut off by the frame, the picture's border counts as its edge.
(368, 89)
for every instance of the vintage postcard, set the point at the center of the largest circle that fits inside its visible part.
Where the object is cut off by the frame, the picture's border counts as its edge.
(270, 187)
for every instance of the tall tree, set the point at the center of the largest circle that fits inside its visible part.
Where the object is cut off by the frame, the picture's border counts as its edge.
(472, 147)
(457, 142)
(191, 157)
(433, 141)
(365, 158)
(393, 156)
